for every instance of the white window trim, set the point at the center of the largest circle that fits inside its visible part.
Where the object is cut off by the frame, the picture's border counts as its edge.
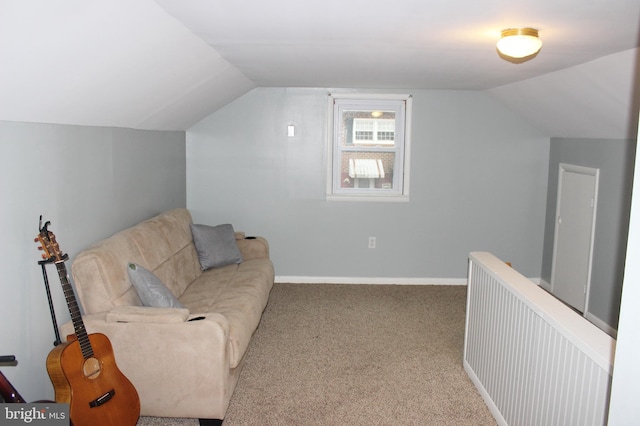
(378, 196)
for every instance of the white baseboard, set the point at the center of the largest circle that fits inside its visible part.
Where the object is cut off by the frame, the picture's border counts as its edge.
(289, 279)
(370, 280)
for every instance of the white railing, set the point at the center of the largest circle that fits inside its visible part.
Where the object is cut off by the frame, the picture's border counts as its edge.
(534, 360)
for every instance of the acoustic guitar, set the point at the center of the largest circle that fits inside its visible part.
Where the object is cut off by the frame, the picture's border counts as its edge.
(83, 370)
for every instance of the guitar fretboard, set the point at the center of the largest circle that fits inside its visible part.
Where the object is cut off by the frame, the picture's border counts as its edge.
(74, 310)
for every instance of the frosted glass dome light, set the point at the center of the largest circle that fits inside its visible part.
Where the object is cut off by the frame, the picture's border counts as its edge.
(519, 42)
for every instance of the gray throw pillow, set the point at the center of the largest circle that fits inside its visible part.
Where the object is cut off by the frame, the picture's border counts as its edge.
(216, 245)
(151, 290)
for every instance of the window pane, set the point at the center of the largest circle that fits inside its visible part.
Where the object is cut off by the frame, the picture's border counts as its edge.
(367, 170)
(367, 128)
(385, 131)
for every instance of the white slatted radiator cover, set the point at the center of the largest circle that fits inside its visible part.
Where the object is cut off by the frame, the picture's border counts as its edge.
(533, 359)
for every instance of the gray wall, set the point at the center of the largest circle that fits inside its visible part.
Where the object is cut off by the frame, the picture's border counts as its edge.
(478, 182)
(89, 182)
(615, 159)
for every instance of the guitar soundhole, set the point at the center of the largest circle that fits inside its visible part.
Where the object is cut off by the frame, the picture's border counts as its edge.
(91, 368)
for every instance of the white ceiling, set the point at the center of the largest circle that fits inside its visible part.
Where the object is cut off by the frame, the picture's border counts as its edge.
(166, 64)
(433, 44)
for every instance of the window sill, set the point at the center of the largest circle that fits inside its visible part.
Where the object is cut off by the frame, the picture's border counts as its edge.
(369, 198)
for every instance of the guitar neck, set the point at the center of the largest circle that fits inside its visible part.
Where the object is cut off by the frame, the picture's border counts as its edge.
(74, 310)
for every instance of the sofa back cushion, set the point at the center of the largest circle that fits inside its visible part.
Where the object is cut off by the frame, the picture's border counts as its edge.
(162, 244)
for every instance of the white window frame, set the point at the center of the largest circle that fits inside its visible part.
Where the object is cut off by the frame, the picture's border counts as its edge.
(402, 105)
(375, 130)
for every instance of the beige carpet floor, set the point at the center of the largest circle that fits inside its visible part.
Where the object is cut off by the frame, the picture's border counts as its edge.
(356, 355)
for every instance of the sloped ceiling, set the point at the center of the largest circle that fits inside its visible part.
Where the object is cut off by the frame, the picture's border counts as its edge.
(599, 99)
(167, 64)
(122, 63)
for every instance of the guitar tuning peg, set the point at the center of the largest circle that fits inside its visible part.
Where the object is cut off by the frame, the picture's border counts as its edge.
(35, 240)
(44, 256)
(40, 248)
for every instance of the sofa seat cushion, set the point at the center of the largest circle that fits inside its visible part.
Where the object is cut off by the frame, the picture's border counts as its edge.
(240, 293)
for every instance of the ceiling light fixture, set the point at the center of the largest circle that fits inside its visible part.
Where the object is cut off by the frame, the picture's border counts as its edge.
(519, 42)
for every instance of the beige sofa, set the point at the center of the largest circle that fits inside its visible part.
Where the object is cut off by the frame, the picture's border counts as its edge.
(184, 362)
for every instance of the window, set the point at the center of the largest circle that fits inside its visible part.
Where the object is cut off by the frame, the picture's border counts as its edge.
(369, 130)
(369, 147)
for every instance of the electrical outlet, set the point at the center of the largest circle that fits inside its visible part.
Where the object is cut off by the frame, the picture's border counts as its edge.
(372, 242)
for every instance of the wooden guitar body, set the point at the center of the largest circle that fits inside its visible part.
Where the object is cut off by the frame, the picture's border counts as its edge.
(97, 392)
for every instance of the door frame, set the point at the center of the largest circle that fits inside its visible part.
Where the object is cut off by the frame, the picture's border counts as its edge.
(571, 168)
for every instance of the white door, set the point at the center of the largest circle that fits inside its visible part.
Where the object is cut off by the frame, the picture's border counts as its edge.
(574, 230)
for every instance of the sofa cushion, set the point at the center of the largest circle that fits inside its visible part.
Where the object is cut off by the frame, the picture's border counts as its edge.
(162, 244)
(238, 292)
(145, 314)
(151, 290)
(216, 245)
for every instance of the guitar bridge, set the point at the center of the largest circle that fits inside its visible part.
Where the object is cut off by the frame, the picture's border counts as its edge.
(102, 399)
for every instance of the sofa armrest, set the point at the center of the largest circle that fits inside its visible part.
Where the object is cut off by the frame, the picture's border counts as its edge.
(165, 361)
(253, 248)
(147, 314)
